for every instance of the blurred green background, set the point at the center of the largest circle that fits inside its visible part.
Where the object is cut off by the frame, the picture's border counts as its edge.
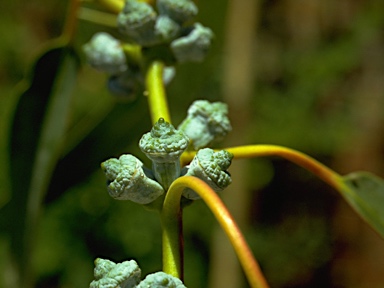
(307, 74)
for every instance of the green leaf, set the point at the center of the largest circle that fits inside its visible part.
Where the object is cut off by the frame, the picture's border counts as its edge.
(38, 129)
(365, 193)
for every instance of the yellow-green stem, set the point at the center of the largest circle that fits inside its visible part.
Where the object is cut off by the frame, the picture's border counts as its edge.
(320, 170)
(157, 99)
(113, 6)
(172, 255)
(251, 151)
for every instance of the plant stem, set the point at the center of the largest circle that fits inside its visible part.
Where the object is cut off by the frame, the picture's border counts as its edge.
(113, 6)
(172, 254)
(157, 100)
(70, 26)
(320, 170)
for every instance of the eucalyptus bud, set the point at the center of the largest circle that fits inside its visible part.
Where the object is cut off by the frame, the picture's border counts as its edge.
(128, 181)
(206, 123)
(178, 10)
(210, 166)
(105, 53)
(163, 145)
(137, 21)
(166, 28)
(109, 274)
(194, 46)
(161, 280)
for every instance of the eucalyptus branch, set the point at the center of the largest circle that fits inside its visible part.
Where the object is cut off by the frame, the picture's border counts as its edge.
(172, 260)
(320, 170)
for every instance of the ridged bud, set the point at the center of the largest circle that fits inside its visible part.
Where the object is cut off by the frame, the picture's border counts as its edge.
(109, 274)
(127, 180)
(166, 28)
(137, 21)
(105, 53)
(178, 10)
(164, 146)
(161, 280)
(194, 46)
(206, 123)
(210, 166)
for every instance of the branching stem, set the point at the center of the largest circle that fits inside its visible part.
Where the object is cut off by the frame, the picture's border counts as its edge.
(251, 151)
(172, 254)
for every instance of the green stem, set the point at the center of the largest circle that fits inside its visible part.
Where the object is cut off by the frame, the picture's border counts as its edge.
(97, 17)
(172, 251)
(113, 6)
(251, 151)
(157, 100)
(320, 170)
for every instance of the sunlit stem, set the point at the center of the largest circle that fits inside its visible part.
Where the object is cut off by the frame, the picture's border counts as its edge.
(157, 100)
(113, 6)
(252, 151)
(320, 170)
(172, 253)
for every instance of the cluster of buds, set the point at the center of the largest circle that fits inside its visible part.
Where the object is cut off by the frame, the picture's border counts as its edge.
(145, 29)
(127, 275)
(128, 179)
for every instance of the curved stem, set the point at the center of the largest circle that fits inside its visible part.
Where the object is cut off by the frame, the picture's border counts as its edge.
(171, 209)
(320, 170)
(157, 100)
(251, 151)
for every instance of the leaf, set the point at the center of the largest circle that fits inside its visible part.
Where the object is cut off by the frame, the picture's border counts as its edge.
(365, 193)
(38, 129)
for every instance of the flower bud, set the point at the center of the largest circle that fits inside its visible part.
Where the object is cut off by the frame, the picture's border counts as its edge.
(161, 280)
(126, 86)
(137, 21)
(206, 123)
(127, 180)
(109, 274)
(178, 10)
(194, 46)
(166, 28)
(164, 146)
(105, 53)
(210, 166)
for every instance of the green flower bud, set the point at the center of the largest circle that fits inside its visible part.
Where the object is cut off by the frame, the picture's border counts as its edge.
(127, 180)
(161, 280)
(194, 46)
(126, 86)
(169, 73)
(164, 146)
(137, 21)
(166, 28)
(210, 166)
(109, 274)
(104, 53)
(178, 10)
(206, 123)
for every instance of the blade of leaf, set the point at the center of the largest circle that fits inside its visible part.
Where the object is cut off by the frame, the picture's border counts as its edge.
(365, 193)
(38, 129)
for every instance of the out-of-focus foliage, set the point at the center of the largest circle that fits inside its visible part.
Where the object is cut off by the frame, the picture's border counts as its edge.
(309, 63)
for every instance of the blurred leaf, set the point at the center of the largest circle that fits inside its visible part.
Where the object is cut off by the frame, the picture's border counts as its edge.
(37, 132)
(365, 193)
